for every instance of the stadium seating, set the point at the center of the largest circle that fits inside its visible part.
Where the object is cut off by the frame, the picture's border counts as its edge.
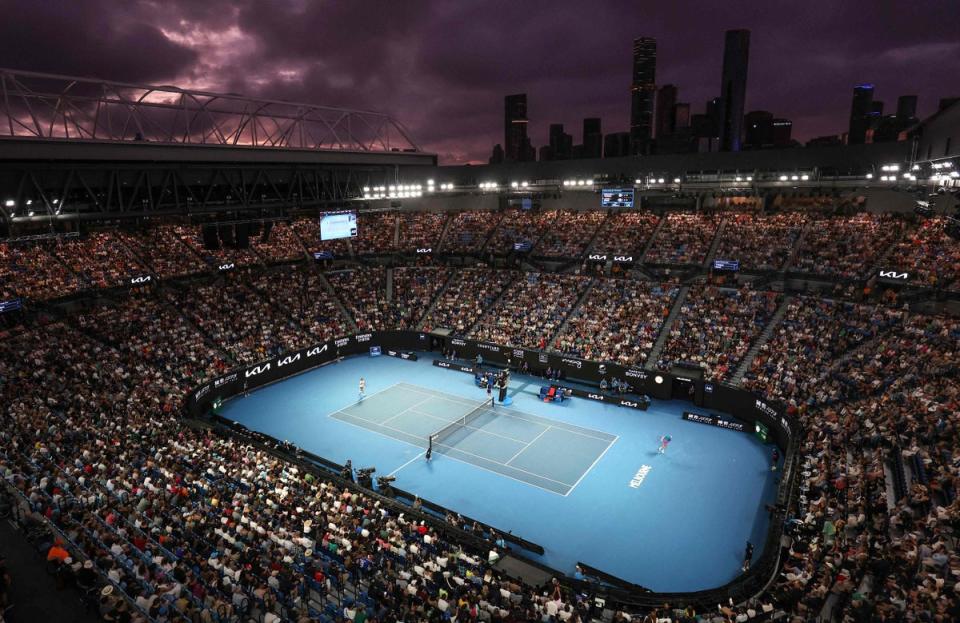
(181, 523)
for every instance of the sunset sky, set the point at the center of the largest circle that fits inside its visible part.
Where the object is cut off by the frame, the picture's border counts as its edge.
(442, 68)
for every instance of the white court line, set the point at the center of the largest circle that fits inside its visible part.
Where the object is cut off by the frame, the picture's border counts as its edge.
(353, 404)
(407, 463)
(410, 408)
(558, 424)
(530, 443)
(589, 469)
(485, 458)
(486, 469)
(482, 430)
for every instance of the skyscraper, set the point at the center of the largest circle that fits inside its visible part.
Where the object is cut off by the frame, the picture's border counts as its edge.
(561, 143)
(733, 88)
(907, 107)
(666, 100)
(592, 138)
(642, 93)
(860, 114)
(515, 127)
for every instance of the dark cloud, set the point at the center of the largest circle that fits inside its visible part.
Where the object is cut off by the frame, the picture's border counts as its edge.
(101, 38)
(443, 67)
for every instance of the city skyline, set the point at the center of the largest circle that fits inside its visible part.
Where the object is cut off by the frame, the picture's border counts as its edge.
(443, 69)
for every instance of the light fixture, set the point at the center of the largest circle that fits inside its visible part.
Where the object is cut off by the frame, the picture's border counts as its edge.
(9, 203)
(658, 380)
(514, 184)
(676, 180)
(524, 184)
(783, 178)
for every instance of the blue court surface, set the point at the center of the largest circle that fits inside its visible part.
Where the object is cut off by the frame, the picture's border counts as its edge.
(582, 478)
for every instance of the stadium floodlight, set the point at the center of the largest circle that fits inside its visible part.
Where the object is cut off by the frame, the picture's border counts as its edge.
(915, 167)
(869, 176)
(9, 203)
(392, 188)
(29, 202)
(56, 201)
(804, 177)
(514, 184)
(524, 184)
(739, 179)
(638, 181)
(749, 178)
(794, 178)
(494, 185)
(954, 174)
(430, 182)
(660, 180)
(676, 180)
(581, 183)
(366, 189)
(31, 213)
(783, 178)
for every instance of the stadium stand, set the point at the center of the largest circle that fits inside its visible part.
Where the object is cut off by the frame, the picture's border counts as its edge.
(618, 321)
(716, 327)
(683, 239)
(184, 523)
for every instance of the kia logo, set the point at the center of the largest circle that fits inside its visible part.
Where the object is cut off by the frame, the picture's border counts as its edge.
(229, 266)
(257, 370)
(890, 274)
(316, 350)
(143, 279)
(288, 360)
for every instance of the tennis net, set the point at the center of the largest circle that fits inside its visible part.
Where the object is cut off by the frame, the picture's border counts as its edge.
(460, 423)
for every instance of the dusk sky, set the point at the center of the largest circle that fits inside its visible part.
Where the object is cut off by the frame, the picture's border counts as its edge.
(443, 68)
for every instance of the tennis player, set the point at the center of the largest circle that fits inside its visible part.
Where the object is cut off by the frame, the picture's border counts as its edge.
(664, 442)
(363, 388)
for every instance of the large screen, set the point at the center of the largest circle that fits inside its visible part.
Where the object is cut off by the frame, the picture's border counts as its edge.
(335, 225)
(616, 198)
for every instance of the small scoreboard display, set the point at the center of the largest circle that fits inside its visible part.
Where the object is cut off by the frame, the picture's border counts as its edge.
(616, 198)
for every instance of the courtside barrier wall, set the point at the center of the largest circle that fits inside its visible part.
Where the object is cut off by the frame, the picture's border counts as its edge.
(784, 430)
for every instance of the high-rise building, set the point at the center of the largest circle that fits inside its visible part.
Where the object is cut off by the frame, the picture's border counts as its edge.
(733, 88)
(616, 145)
(515, 127)
(592, 138)
(666, 100)
(681, 116)
(860, 110)
(907, 107)
(781, 132)
(497, 156)
(561, 143)
(642, 92)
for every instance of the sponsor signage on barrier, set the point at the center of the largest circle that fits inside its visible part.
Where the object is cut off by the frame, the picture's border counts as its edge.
(341, 342)
(893, 275)
(633, 373)
(452, 365)
(203, 391)
(623, 402)
(360, 339)
(522, 246)
(573, 363)
(765, 408)
(490, 347)
(399, 354)
(223, 380)
(139, 281)
(255, 370)
(10, 305)
(731, 265)
(286, 361)
(543, 358)
(713, 420)
(458, 342)
(323, 255)
(225, 267)
(316, 350)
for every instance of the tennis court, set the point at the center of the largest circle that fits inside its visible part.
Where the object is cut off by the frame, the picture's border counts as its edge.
(548, 454)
